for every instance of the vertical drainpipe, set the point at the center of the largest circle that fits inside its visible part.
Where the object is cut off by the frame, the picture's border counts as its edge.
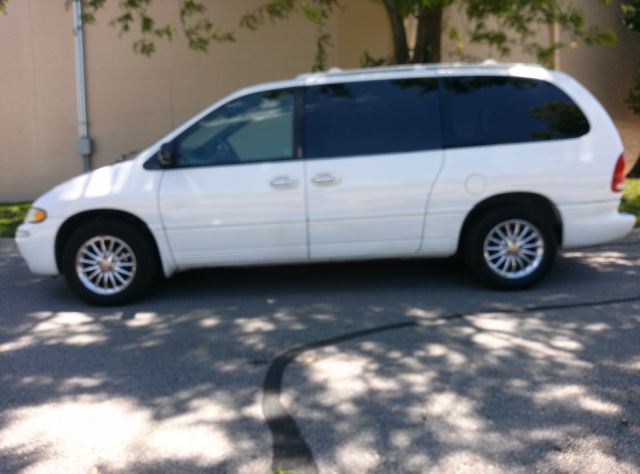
(83, 143)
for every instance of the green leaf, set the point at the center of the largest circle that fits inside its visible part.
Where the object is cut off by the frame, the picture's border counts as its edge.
(312, 13)
(633, 97)
(146, 23)
(631, 14)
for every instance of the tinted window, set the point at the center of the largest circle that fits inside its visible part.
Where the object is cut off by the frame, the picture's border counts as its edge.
(371, 117)
(254, 128)
(493, 110)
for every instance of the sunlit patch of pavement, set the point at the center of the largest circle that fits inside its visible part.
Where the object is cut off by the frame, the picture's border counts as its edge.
(543, 380)
(490, 392)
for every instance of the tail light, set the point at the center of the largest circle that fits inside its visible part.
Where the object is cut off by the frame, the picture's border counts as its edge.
(617, 182)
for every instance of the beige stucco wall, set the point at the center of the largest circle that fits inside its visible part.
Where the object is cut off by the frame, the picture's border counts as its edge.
(133, 100)
(37, 99)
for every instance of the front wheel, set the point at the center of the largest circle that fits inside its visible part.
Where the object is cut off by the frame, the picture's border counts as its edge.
(510, 248)
(108, 262)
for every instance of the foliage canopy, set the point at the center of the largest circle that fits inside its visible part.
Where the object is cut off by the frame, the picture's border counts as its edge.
(499, 24)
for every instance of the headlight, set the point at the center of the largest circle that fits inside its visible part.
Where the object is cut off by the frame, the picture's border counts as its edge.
(35, 215)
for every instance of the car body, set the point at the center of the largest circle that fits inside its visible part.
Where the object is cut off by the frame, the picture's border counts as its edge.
(500, 162)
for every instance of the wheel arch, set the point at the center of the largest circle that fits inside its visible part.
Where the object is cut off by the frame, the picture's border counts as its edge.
(525, 200)
(74, 222)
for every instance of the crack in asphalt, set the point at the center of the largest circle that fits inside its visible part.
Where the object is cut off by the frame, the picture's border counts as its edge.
(290, 450)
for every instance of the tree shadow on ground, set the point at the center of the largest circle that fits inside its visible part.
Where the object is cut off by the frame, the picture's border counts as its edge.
(174, 382)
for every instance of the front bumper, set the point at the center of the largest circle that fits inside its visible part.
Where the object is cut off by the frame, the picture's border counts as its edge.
(36, 243)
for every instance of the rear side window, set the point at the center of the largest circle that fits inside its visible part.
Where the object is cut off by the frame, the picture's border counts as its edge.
(374, 117)
(487, 110)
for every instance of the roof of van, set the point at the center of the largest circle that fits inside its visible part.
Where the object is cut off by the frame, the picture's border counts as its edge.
(333, 75)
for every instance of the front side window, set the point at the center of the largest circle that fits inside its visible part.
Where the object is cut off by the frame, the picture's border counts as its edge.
(373, 117)
(254, 128)
(491, 110)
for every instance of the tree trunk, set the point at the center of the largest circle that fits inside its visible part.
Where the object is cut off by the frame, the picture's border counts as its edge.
(398, 32)
(428, 38)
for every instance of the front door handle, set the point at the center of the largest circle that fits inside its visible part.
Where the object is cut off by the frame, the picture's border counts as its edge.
(283, 182)
(325, 179)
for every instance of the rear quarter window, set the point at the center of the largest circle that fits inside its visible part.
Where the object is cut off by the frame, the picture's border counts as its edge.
(488, 110)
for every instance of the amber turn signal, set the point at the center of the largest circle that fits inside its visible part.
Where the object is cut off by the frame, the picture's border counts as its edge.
(35, 215)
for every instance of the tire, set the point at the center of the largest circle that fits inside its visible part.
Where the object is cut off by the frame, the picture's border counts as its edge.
(510, 248)
(108, 262)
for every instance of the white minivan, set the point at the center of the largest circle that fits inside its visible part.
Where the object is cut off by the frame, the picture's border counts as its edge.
(500, 163)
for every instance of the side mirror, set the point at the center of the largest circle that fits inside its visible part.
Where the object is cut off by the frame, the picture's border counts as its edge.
(166, 155)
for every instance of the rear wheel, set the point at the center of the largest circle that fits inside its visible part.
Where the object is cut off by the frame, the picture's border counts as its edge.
(510, 248)
(108, 262)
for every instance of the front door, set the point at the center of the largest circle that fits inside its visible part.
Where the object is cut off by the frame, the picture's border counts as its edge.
(236, 194)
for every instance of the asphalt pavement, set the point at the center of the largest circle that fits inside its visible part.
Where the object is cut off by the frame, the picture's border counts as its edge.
(370, 367)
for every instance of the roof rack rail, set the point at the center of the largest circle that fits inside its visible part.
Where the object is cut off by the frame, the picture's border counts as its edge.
(335, 71)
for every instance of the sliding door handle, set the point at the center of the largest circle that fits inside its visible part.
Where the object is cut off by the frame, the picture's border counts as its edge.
(325, 179)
